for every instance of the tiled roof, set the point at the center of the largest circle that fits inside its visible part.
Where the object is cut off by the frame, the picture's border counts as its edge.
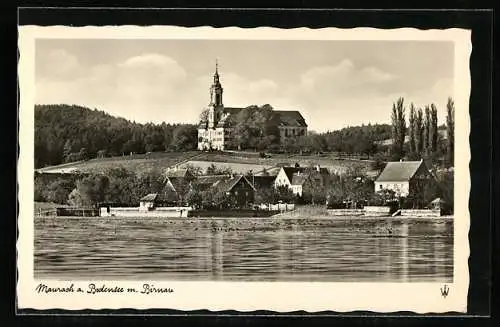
(399, 171)
(289, 118)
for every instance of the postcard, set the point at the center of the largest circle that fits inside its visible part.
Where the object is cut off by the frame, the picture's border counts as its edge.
(180, 168)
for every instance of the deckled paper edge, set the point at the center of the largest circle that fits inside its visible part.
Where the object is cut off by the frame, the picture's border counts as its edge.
(250, 296)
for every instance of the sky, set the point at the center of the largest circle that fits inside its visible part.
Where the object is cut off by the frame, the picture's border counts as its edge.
(333, 84)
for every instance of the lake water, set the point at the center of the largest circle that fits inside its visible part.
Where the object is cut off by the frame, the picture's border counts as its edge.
(259, 249)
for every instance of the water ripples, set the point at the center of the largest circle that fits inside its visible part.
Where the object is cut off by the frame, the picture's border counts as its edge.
(243, 249)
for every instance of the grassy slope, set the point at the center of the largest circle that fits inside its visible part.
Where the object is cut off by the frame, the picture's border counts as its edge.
(240, 162)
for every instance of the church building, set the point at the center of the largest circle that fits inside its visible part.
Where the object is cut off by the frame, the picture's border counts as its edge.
(214, 132)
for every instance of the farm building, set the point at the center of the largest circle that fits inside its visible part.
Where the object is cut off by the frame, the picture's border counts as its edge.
(405, 178)
(298, 179)
(236, 189)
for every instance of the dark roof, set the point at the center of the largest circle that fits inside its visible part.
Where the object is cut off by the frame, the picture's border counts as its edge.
(262, 181)
(290, 118)
(290, 171)
(222, 183)
(299, 179)
(226, 185)
(399, 171)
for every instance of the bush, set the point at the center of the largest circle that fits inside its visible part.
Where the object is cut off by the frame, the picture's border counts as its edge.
(58, 191)
(379, 163)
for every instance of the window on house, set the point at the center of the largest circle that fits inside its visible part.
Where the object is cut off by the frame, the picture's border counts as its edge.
(380, 187)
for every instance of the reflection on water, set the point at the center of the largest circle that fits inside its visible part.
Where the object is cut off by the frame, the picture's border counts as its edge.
(244, 249)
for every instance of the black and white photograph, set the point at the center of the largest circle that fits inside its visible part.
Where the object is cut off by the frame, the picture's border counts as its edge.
(162, 158)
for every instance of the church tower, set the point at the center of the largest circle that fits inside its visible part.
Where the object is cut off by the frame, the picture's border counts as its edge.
(215, 98)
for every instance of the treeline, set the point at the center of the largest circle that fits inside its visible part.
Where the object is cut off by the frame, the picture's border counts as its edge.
(420, 138)
(65, 133)
(123, 187)
(115, 185)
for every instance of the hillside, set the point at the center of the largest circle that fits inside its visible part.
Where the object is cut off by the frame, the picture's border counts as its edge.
(67, 133)
(238, 162)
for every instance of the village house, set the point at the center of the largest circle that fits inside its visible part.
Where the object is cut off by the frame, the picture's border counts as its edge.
(177, 184)
(301, 179)
(235, 189)
(405, 178)
(215, 131)
(265, 178)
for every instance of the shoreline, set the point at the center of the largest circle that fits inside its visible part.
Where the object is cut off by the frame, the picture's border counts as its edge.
(274, 218)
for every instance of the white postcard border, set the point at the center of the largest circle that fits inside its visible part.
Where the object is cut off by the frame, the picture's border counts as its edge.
(247, 296)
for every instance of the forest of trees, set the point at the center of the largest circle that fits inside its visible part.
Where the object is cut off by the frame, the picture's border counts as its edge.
(65, 133)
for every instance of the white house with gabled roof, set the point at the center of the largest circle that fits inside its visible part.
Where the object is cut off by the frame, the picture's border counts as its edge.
(403, 176)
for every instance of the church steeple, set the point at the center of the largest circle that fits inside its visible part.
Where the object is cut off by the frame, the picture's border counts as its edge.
(216, 75)
(216, 88)
(215, 105)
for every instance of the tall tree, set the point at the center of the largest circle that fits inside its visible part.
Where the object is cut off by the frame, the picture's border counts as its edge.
(394, 127)
(411, 130)
(427, 123)
(433, 130)
(418, 132)
(398, 128)
(450, 129)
